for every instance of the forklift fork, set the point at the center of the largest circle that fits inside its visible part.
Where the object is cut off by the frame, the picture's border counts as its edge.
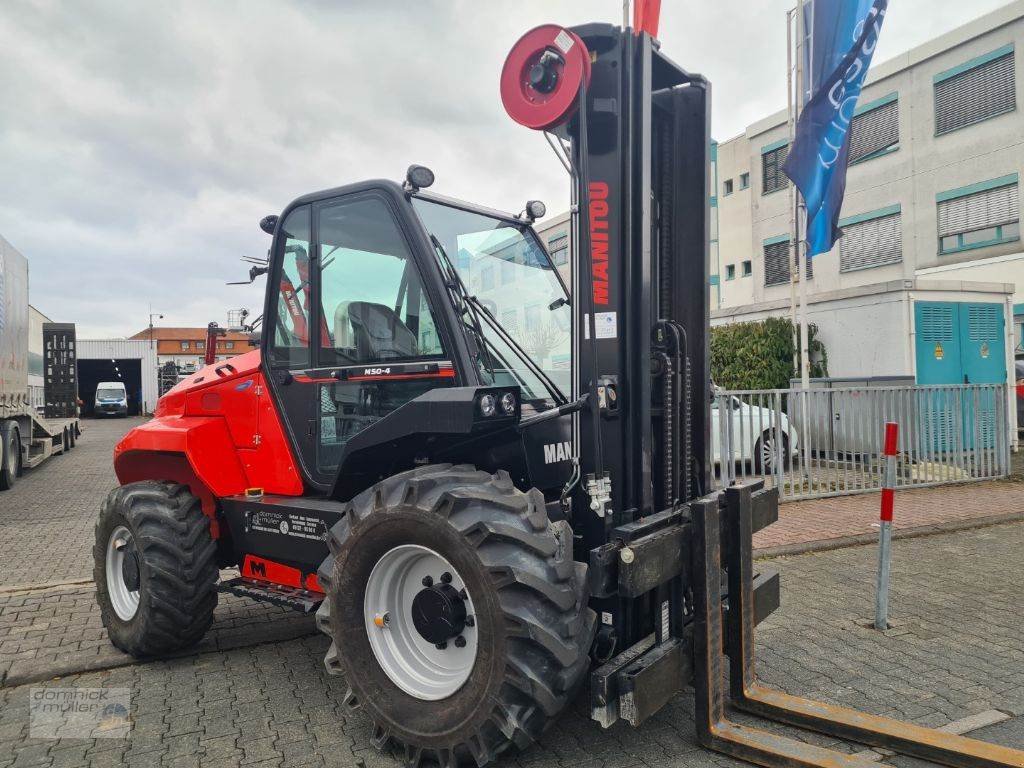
(715, 731)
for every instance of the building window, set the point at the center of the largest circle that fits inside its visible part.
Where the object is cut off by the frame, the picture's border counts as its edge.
(727, 188)
(531, 317)
(510, 321)
(487, 278)
(229, 345)
(184, 345)
(875, 130)
(871, 240)
(748, 269)
(730, 271)
(979, 216)
(508, 272)
(744, 181)
(776, 262)
(975, 91)
(558, 248)
(772, 177)
(200, 345)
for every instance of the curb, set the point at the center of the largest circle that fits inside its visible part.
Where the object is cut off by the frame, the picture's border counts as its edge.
(861, 539)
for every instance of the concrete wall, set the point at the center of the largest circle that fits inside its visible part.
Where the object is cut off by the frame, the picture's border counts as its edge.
(869, 330)
(735, 241)
(863, 335)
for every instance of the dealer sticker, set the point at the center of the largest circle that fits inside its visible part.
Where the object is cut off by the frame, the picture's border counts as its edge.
(285, 524)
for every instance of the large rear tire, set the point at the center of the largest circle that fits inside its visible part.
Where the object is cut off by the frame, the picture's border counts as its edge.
(155, 568)
(511, 571)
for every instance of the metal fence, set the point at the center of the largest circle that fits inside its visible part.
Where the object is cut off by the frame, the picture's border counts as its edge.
(828, 441)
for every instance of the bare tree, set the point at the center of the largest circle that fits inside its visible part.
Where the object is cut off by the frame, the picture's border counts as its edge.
(541, 340)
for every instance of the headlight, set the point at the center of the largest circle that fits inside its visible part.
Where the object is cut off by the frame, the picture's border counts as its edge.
(488, 404)
(508, 404)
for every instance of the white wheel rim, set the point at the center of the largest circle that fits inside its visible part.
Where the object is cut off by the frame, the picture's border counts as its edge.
(412, 662)
(125, 601)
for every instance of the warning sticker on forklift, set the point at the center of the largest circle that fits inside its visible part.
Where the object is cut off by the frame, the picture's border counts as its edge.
(564, 41)
(606, 325)
(284, 524)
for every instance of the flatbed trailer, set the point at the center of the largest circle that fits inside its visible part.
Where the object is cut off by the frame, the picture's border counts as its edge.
(27, 438)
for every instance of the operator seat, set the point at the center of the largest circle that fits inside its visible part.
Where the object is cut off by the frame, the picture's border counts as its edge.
(380, 333)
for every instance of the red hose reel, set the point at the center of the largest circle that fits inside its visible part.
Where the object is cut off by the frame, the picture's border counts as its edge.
(542, 75)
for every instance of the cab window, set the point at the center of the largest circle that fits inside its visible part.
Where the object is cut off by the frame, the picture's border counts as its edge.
(375, 313)
(373, 303)
(290, 343)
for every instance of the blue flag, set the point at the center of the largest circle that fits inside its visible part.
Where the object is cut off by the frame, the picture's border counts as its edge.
(843, 36)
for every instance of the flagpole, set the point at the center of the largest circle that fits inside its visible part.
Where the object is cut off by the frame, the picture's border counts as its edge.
(794, 269)
(801, 256)
(802, 218)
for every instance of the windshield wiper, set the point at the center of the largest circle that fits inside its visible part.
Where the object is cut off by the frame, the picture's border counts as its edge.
(460, 297)
(535, 369)
(470, 305)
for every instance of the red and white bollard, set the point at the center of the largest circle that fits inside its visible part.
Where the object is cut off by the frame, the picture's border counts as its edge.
(885, 528)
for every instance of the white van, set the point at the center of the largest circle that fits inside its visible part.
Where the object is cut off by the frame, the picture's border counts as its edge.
(111, 399)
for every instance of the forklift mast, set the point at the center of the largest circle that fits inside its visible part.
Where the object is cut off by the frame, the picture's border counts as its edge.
(641, 272)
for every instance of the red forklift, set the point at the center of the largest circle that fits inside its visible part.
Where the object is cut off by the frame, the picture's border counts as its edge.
(492, 488)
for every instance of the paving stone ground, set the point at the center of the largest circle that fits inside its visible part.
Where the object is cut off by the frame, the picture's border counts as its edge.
(46, 520)
(956, 650)
(255, 693)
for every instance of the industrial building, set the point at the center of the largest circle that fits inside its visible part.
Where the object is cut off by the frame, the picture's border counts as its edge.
(927, 281)
(130, 361)
(186, 347)
(926, 278)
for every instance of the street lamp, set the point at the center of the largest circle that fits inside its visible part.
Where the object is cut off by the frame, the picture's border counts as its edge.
(158, 316)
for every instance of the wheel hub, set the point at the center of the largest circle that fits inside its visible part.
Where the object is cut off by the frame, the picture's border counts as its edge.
(122, 570)
(130, 569)
(439, 613)
(420, 622)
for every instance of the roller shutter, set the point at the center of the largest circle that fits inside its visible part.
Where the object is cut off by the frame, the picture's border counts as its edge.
(872, 243)
(975, 95)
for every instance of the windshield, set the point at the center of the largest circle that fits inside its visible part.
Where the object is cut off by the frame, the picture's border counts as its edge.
(506, 269)
(112, 394)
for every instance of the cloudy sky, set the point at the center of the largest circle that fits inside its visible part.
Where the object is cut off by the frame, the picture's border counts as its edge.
(142, 141)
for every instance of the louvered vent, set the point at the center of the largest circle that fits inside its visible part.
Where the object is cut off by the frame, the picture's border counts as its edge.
(984, 322)
(936, 324)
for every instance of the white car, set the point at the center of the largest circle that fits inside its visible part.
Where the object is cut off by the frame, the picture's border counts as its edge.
(754, 434)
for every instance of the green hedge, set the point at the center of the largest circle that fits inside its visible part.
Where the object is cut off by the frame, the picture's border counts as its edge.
(759, 355)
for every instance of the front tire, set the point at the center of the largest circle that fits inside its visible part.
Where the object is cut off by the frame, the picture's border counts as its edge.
(154, 564)
(513, 572)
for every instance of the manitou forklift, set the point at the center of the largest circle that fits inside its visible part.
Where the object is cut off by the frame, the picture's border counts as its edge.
(491, 488)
